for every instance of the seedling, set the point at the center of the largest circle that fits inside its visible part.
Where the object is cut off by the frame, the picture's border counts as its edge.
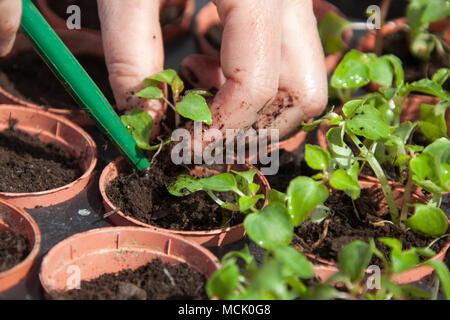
(190, 104)
(357, 69)
(377, 141)
(355, 257)
(420, 14)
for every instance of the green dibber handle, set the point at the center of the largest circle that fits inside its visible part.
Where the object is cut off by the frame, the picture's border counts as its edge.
(78, 83)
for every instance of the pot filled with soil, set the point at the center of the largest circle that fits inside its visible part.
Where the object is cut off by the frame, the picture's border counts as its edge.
(364, 219)
(143, 200)
(175, 16)
(26, 80)
(20, 242)
(395, 37)
(209, 31)
(45, 159)
(126, 263)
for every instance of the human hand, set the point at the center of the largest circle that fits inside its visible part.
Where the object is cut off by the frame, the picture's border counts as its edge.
(133, 45)
(10, 15)
(272, 72)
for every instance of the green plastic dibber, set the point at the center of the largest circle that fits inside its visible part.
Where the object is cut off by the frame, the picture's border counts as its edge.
(78, 83)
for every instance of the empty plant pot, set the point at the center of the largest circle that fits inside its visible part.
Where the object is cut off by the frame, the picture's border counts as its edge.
(110, 250)
(171, 29)
(18, 221)
(51, 129)
(209, 238)
(209, 31)
(323, 269)
(80, 43)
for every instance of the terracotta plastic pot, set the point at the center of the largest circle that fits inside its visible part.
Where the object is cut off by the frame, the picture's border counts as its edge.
(55, 129)
(18, 221)
(110, 250)
(210, 238)
(79, 42)
(208, 17)
(367, 43)
(169, 31)
(323, 269)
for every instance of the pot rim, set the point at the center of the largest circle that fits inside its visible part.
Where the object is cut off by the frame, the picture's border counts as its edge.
(91, 143)
(32, 255)
(46, 266)
(114, 166)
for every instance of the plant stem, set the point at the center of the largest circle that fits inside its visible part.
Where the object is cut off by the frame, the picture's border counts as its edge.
(376, 167)
(216, 199)
(170, 104)
(406, 196)
(385, 5)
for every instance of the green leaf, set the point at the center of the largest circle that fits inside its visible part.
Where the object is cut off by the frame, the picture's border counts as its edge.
(294, 262)
(247, 175)
(403, 261)
(322, 292)
(304, 195)
(422, 165)
(200, 92)
(222, 183)
(380, 71)
(354, 259)
(397, 65)
(331, 29)
(184, 185)
(223, 282)
(270, 228)
(194, 107)
(316, 157)
(369, 123)
(268, 282)
(433, 126)
(341, 180)
(177, 86)
(166, 76)
(319, 214)
(140, 124)
(421, 13)
(443, 274)
(392, 243)
(441, 76)
(429, 221)
(351, 106)
(153, 93)
(275, 196)
(340, 151)
(246, 203)
(352, 71)
(254, 187)
(414, 293)
(427, 86)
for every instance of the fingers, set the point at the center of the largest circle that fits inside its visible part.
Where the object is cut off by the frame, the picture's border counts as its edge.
(10, 15)
(133, 50)
(303, 91)
(202, 71)
(250, 57)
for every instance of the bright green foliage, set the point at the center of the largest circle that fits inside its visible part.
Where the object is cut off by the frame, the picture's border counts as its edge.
(303, 196)
(331, 29)
(139, 123)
